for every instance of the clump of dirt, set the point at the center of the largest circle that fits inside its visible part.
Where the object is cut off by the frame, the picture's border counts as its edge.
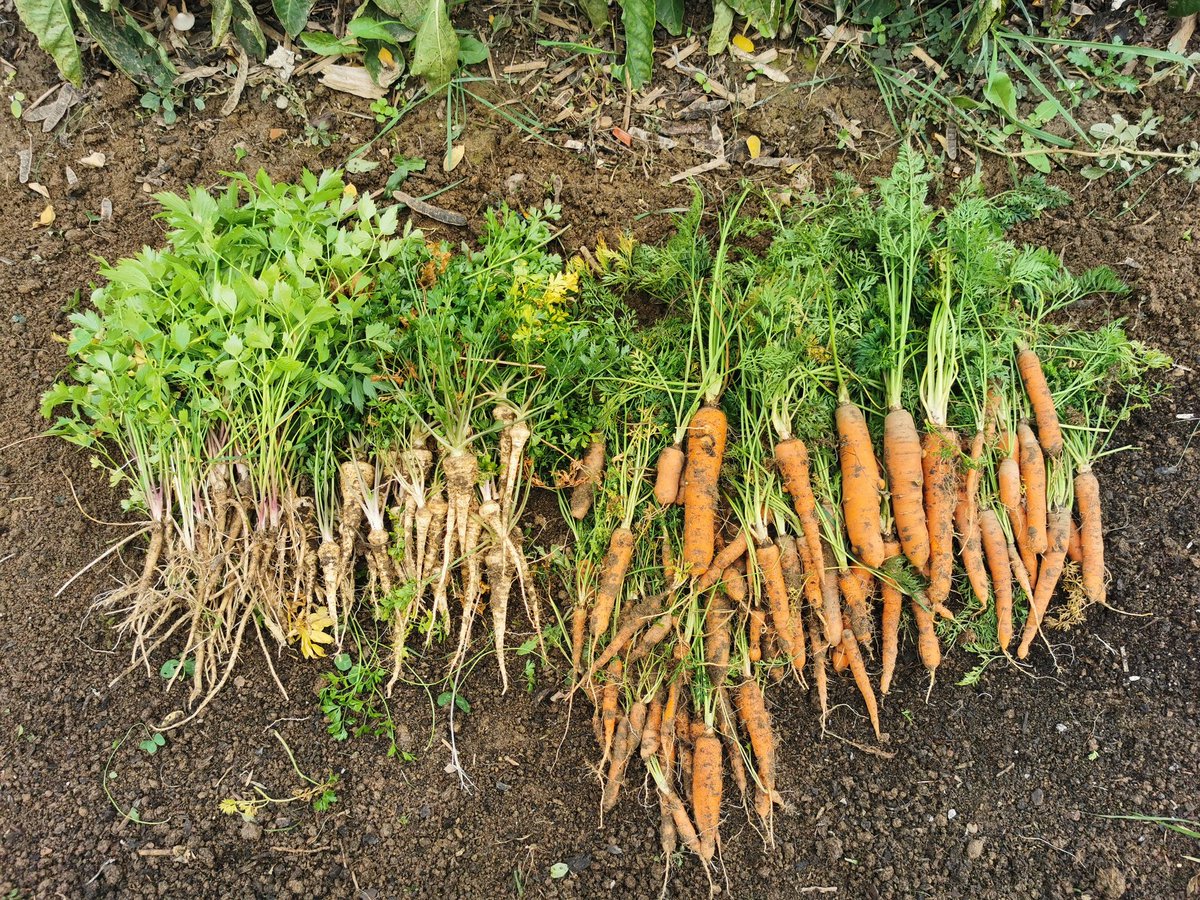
(994, 790)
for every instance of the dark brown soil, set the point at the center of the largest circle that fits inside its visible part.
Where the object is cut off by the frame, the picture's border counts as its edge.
(994, 791)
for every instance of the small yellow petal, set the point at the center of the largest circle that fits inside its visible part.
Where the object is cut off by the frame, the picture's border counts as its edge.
(350, 190)
(754, 145)
(386, 58)
(743, 43)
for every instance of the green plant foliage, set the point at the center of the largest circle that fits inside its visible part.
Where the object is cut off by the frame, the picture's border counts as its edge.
(53, 24)
(435, 47)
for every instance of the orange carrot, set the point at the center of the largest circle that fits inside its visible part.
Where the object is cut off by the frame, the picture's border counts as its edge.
(623, 749)
(717, 638)
(893, 604)
(941, 494)
(859, 669)
(1091, 534)
(995, 550)
(1049, 433)
(966, 523)
(735, 585)
(831, 601)
(841, 659)
(1033, 480)
(927, 640)
(579, 617)
(752, 710)
(1051, 571)
(1008, 480)
(1020, 572)
(608, 707)
(793, 580)
(1075, 544)
(860, 485)
(777, 597)
(631, 620)
(705, 450)
(791, 457)
(724, 558)
(706, 791)
(652, 732)
(754, 642)
(653, 636)
(612, 578)
(902, 456)
(856, 605)
(666, 479)
(585, 491)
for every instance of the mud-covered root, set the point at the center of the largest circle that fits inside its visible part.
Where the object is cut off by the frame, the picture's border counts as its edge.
(329, 554)
(500, 577)
(472, 586)
(462, 471)
(377, 545)
(353, 476)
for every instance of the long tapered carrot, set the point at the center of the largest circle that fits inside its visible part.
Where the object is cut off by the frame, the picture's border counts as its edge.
(966, 522)
(1048, 575)
(902, 457)
(579, 617)
(1091, 534)
(889, 626)
(767, 556)
(859, 670)
(1041, 400)
(705, 450)
(831, 599)
(752, 710)
(608, 704)
(995, 550)
(721, 560)
(941, 495)
(652, 732)
(791, 457)
(667, 476)
(1033, 480)
(612, 578)
(860, 485)
(706, 791)
(1008, 481)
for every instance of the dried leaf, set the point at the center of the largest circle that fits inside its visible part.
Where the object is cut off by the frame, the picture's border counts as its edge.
(355, 80)
(39, 189)
(95, 160)
(72, 178)
(47, 217)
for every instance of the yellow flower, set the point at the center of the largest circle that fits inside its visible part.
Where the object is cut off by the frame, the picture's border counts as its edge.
(309, 629)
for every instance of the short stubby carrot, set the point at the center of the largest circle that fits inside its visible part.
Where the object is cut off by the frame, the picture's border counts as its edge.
(902, 457)
(941, 496)
(1042, 401)
(1048, 575)
(702, 471)
(927, 640)
(1091, 535)
(722, 559)
(854, 593)
(667, 475)
(860, 485)
(706, 791)
(859, 670)
(584, 492)
(1033, 479)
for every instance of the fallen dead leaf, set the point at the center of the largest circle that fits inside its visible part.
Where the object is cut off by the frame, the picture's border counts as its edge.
(38, 189)
(276, 133)
(72, 178)
(48, 216)
(357, 81)
(94, 160)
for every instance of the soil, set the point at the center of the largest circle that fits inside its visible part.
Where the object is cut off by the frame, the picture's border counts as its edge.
(997, 790)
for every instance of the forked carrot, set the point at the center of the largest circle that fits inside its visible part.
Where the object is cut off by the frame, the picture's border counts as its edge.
(1048, 575)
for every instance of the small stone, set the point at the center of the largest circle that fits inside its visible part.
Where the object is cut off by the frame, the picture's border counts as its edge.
(1060, 728)
(1038, 797)
(614, 850)
(281, 102)
(501, 786)
(951, 815)
(605, 122)
(578, 863)
(18, 319)
(975, 849)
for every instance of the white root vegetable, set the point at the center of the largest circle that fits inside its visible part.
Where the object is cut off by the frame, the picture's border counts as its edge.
(500, 577)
